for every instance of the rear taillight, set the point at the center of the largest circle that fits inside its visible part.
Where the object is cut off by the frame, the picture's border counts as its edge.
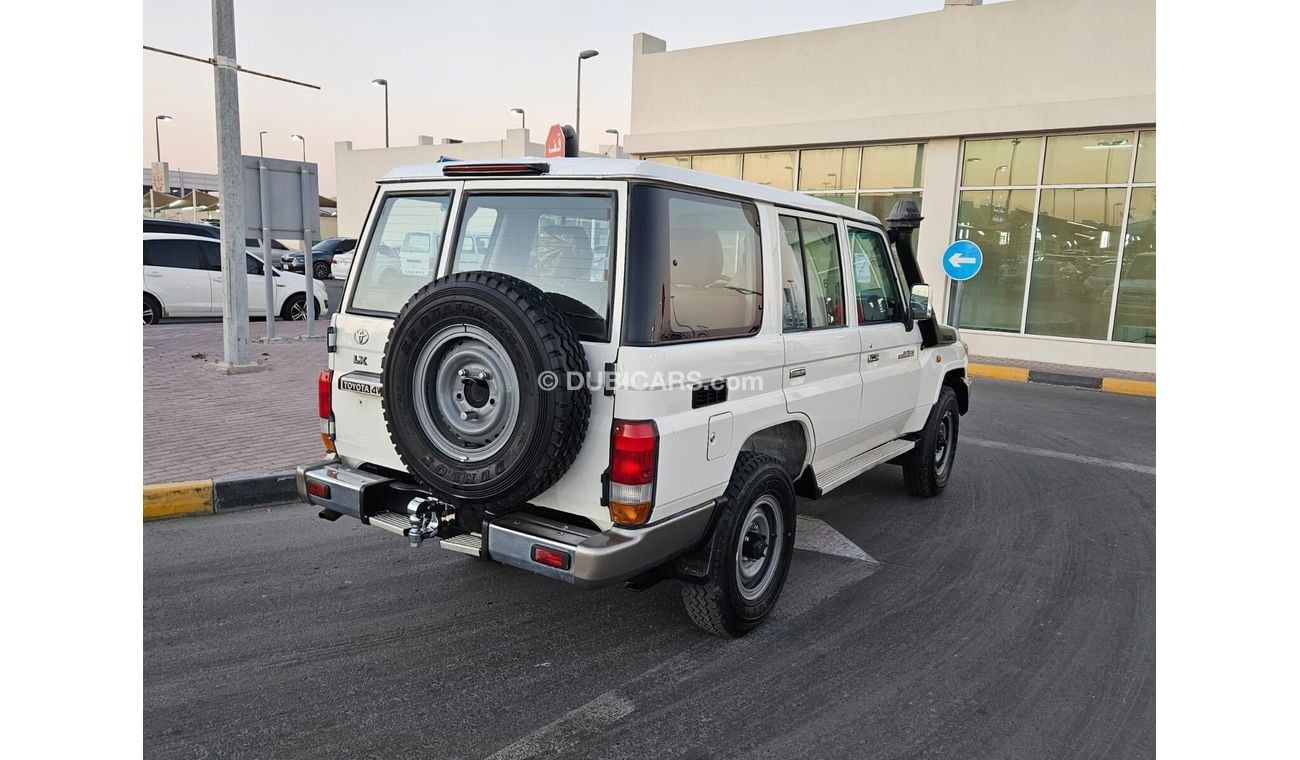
(633, 460)
(325, 405)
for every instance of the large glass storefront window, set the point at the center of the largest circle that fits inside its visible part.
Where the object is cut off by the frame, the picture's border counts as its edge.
(871, 177)
(1067, 226)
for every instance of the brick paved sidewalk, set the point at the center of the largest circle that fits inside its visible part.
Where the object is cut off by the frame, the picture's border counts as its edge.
(200, 424)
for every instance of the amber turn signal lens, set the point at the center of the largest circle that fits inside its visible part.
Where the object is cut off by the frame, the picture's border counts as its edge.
(329, 443)
(629, 514)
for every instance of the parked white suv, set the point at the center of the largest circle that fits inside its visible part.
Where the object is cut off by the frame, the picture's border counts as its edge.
(182, 278)
(651, 420)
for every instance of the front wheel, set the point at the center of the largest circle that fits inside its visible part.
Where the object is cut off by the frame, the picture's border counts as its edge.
(750, 550)
(295, 308)
(927, 467)
(152, 310)
(321, 271)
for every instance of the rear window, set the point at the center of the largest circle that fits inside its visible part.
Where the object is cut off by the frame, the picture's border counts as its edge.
(402, 254)
(694, 267)
(558, 242)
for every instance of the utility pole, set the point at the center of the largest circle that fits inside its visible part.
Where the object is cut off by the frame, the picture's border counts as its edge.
(234, 272)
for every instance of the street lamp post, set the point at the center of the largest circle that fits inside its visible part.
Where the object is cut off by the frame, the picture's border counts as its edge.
(303, 140)
(523, 123)
(383, 83)
(577, 115)
(157, 138)
(618, 147)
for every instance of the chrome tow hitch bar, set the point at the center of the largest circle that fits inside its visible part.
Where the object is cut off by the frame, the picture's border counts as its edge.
(424, 518)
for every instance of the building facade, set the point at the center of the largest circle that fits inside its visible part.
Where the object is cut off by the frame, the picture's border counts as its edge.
(1027, 126)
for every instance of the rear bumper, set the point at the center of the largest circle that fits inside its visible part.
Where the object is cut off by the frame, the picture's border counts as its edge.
(595, 558)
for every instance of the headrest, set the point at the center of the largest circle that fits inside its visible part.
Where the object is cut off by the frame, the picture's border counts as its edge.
(417, 242)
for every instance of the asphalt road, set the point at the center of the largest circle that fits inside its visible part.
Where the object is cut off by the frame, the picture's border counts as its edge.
(1013, 617)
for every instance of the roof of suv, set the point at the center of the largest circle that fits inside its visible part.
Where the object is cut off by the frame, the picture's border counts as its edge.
(621, 168)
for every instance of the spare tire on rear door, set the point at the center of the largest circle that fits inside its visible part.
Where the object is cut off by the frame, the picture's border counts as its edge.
(468, 392)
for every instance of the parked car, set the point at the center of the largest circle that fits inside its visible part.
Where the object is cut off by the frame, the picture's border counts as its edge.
(652, 421)
(177, 227)
(182, 278)
(322, 256)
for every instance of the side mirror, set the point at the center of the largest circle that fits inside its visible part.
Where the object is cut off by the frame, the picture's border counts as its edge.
(919, 303)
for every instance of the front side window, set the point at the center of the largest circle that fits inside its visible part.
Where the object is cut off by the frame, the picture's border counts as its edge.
(402, 253)
(558, 242)
(810, 260)
(694, 267)
(873, 278)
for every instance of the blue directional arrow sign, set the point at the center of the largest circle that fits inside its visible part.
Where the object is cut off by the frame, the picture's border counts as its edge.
(962, 260)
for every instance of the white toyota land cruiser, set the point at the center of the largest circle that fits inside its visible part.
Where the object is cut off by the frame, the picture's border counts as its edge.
(632, 378)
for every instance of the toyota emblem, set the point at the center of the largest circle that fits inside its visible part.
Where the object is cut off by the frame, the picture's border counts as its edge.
(361, 337)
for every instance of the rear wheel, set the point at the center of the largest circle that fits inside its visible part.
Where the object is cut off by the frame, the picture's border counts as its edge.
(750, 550)
(927, 467)
(295, 308)
(152, 310)
(321, 270)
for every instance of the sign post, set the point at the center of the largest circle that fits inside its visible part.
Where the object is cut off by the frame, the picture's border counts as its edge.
(283, 201)
(962, 260)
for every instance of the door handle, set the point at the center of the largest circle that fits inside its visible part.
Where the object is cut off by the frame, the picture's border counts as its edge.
(153, 274)
(798, 372)
(873, 358)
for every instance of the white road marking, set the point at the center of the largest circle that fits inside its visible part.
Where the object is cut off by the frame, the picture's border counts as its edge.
(1142, 468)
(559, 736)
(814, 535)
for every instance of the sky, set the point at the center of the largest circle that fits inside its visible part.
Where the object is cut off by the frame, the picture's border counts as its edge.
(454, 68)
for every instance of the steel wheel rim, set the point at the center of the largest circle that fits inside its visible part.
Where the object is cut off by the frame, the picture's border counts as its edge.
(466, 393)
(943, 443)
(759, 548)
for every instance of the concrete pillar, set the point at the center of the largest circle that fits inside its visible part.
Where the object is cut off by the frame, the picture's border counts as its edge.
(515, 144)
(939, 207)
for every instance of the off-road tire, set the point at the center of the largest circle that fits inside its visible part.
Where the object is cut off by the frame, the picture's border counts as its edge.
(923, 474)
(551, 423)
(152, 310)
(717, 605)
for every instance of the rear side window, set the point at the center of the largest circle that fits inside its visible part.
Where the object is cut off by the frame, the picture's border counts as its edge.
(558, 242)
(812, 284)
(176, 254)
(402, 254)
(694, 267)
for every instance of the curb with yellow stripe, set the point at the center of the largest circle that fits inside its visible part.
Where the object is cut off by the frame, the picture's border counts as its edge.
(225, 494)
(1104, 384)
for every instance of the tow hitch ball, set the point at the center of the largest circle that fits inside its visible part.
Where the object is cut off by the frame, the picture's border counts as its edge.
(424, 518)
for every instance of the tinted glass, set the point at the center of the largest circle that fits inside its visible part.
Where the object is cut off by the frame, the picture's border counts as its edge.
(402, 253)
(723, 164)
(873, 278)
(829, 169)
(794, 310)
(818, 249)
(176, 254)
(1135, 307)
(252, 265)
(1012, 161)
(1145, 170)
(560, 243)
(1074, 262)
(1001, 223)
(694, 267)
(774, 169)
(1088, 159)
(210, 254)
(886, 166)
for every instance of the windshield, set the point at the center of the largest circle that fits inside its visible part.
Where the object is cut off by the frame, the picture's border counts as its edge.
(558, 242)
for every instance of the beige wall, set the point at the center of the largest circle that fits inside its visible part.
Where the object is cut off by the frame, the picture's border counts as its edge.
(1023, 65)
(358, 170)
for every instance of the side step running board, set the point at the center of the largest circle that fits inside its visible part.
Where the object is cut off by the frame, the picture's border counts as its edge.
(465, 543)
(843, 473)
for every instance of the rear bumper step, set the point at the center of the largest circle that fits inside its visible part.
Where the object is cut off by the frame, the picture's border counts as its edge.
(573, 554)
